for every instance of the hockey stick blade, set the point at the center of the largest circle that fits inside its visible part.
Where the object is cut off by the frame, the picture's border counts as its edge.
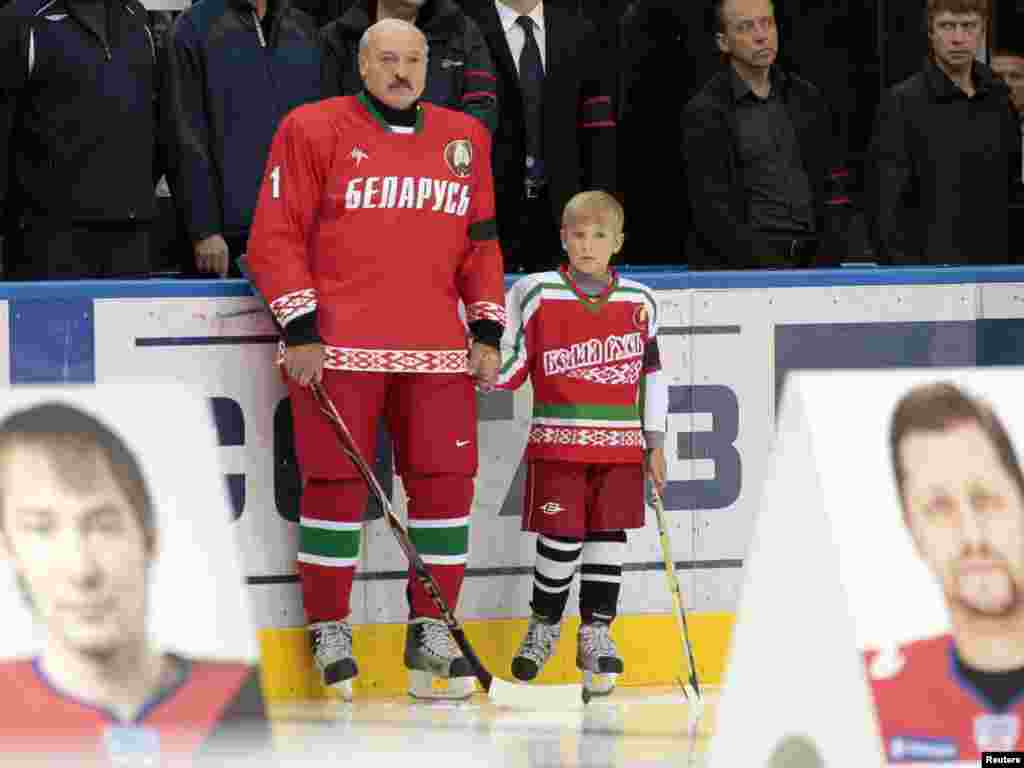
(501, 692)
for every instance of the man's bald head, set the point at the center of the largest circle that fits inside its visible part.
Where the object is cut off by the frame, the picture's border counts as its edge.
(382, 30)
(393, 62)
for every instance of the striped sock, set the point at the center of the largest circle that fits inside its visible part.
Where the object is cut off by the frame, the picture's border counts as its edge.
(553, 574)
(329, 547)
(444, 546)
(601, 575)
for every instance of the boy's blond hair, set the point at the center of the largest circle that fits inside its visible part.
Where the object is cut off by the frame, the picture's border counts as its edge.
(594, 205)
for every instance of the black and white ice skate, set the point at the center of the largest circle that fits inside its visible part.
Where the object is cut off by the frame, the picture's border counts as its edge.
(538, 646)
(437, 669)
(332, 652)
(598, 659)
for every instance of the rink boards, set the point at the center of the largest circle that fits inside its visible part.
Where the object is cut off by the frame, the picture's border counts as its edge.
(727, 341)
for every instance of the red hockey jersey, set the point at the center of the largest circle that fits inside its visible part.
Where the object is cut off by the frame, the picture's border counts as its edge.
(586, 357)
(381, 232)
(927, 712)
(39, 719)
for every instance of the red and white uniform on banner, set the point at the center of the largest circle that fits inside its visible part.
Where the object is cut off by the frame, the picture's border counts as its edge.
(170, 730)
(929, 712)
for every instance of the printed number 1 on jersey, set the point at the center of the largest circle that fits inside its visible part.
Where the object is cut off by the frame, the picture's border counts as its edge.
(275, 182)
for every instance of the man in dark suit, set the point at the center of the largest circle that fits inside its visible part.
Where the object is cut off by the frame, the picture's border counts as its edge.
(556, 127)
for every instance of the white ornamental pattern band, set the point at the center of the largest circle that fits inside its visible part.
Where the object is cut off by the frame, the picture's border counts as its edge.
(292, 305)
(391, 360)
(626, 373)
(485, 310)
(587, 437)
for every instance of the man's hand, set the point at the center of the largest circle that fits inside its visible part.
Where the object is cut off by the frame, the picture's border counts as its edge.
(657, 470)
(305, 363)
(212, 255)
(484, 361)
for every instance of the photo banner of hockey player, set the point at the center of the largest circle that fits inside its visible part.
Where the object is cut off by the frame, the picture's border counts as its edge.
(909, 509)
(117, 540)
(728, 339)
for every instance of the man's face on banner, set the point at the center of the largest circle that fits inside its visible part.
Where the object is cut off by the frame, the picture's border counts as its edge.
(966, 515)
(78, 548)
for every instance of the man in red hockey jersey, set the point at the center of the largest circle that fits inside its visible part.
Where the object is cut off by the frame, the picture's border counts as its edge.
(77, 526)
(955, 696)
(375, 219)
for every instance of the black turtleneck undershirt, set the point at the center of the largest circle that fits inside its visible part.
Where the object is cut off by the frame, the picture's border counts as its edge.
(403, 118)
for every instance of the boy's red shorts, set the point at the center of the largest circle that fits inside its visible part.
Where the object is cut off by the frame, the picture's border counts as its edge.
(569, 499)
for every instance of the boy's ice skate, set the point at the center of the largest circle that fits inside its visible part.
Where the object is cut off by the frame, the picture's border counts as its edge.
(332, 652)
(537, 647)
(437, 668)
(598, 659)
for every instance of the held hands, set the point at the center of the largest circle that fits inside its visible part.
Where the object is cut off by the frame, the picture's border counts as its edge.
(305, 363)
(212, 255)
(484, 361)
(657, 469)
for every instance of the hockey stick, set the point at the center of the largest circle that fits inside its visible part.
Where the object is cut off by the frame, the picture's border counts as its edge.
(692, 689)
(500, 692)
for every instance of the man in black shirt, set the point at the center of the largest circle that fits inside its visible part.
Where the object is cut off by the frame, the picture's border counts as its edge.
(759, 154)
(946, 152)
(773, 173)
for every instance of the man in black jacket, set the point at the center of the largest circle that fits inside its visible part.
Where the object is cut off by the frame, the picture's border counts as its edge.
(78, 150)
(556, 129)
(460, 72)
(946, 152)
(235, 69)
(760, 157)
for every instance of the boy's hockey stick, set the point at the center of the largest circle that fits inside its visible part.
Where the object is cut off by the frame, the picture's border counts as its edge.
(500, 692)
(692, 688)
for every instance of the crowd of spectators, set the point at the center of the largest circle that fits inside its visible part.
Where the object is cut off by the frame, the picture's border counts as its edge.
(133, 141)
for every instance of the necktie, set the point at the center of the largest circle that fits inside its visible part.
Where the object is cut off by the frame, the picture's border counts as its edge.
(531, 80)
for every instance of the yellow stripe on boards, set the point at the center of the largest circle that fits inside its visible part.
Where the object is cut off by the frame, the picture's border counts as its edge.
(649, 644)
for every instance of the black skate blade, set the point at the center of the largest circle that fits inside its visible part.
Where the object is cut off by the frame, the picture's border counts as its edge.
(460, 667)
(608, 665)
(340, 671)
(523, 669)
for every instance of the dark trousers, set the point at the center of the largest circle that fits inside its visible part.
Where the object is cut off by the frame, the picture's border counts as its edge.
(776, 251)
(44, 251)
(529, 239)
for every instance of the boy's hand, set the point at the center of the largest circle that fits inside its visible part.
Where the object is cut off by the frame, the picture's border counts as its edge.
(484, 361)
(657, 470)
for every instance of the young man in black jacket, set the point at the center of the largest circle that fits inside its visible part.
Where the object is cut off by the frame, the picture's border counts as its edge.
(79, 157)
(946, 152)
(235, 69)
(763, 177)
(460, 72)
